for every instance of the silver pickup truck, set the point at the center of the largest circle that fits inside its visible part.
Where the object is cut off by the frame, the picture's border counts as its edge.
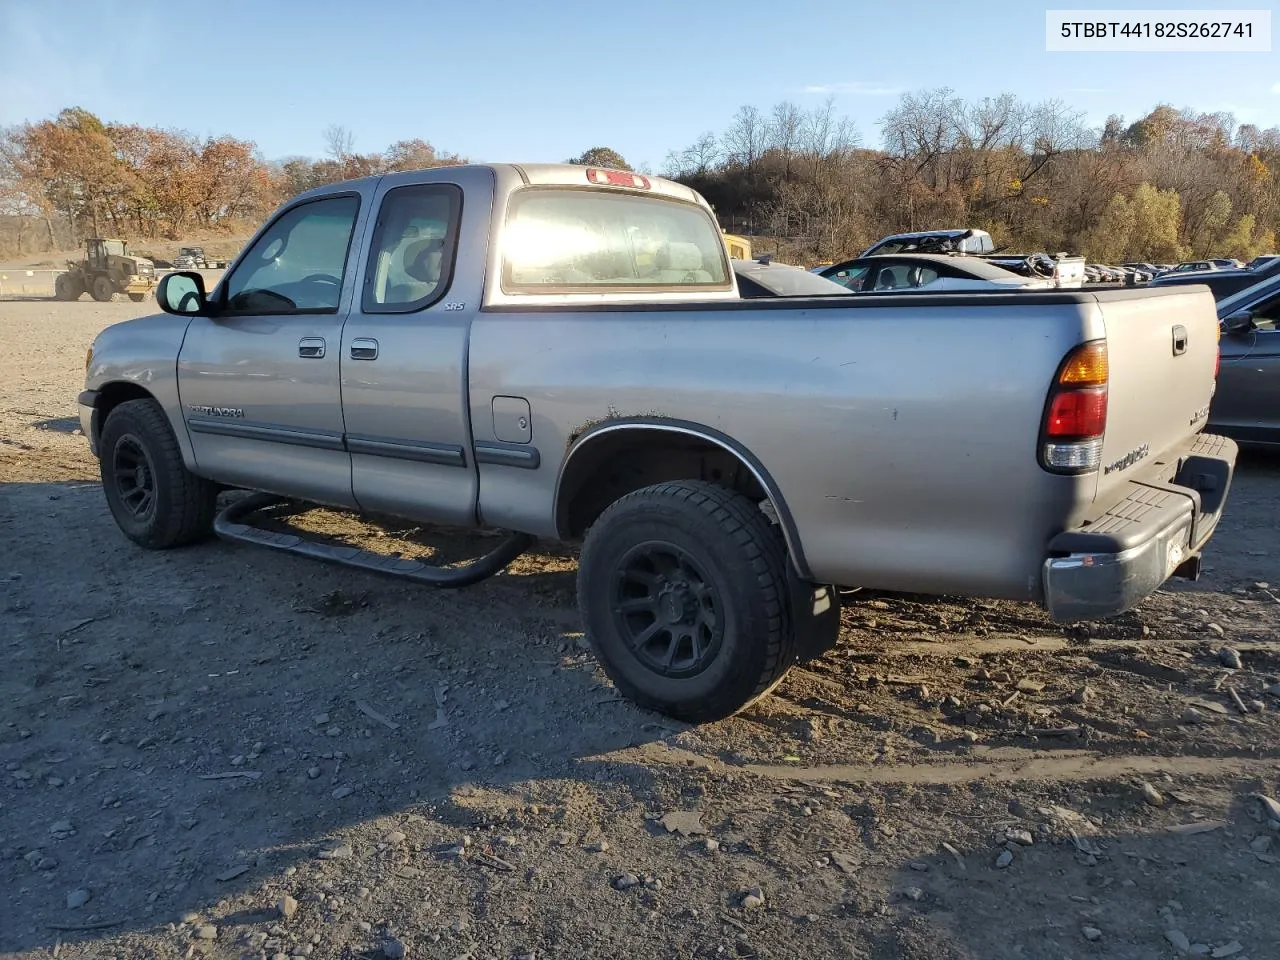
(561, 352)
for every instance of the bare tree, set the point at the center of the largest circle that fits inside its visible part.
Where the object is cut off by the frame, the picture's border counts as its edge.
(339, 142)
(746, 138)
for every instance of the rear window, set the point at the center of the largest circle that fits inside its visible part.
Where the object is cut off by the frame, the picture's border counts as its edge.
(594, 240)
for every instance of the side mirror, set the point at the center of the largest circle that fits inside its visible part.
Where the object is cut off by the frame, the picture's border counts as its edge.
(1239, 323)
(182, 293)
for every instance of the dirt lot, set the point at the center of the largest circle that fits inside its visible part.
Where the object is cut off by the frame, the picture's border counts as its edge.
(192, 741)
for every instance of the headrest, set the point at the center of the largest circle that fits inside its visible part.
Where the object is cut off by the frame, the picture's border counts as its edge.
(680, 256)
(418, 262)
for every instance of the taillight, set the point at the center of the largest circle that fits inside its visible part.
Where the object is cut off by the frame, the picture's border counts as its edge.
(1075, 416)
(617, 178)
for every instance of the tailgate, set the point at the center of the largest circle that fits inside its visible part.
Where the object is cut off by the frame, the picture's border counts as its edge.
(1162, 348)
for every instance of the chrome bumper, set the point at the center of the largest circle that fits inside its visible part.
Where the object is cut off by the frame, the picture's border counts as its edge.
(1155, 531)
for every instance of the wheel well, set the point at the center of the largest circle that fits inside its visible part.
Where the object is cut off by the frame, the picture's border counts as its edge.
(619, 463)
(111, 396)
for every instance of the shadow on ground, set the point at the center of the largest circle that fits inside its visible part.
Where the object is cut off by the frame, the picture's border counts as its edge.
(187, 736)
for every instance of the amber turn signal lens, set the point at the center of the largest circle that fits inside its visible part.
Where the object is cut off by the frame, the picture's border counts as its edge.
(1087, 366)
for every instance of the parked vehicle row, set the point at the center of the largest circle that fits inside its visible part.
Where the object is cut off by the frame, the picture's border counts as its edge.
(1222, 281)
(1064, 270)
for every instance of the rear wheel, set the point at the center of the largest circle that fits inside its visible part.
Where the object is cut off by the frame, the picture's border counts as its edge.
(155, 500)
(683, 591)
(103, 290)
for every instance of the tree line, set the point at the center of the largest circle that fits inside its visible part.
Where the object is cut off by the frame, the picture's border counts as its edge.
(75, 176)
(1170, 185)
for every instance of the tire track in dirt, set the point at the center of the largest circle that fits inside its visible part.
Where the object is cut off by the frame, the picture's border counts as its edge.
(1011, 764)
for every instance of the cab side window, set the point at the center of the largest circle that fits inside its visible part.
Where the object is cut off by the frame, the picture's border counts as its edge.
(411, 257)
(299, 262)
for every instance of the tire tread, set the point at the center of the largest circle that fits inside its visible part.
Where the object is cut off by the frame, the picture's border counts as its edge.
(762, 548)
(192, 499)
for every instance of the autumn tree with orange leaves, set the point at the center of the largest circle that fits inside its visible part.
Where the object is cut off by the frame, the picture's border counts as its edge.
(75, 176)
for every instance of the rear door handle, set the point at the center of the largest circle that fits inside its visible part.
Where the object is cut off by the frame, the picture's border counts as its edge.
(364, 348)
(311, 347)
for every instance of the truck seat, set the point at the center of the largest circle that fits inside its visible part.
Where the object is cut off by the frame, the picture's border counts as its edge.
(420, 261)
(680, 263)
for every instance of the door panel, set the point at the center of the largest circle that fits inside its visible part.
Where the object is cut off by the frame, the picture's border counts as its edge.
(1246, 402)
(404, 350)
(260, 380)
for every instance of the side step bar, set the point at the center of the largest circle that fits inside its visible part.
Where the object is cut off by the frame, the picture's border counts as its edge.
(231, 524)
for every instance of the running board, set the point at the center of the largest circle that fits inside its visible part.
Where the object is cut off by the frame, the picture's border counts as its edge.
(231, 524)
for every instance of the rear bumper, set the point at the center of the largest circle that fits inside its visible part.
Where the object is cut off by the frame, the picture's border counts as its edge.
(1113, 561)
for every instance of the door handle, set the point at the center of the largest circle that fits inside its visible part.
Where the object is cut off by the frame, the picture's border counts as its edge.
(364, 348)
(311, 347)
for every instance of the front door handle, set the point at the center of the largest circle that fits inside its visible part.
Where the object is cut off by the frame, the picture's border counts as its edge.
(364, 348)
(311, 347)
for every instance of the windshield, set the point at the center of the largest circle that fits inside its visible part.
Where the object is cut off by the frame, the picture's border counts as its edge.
(598, 240)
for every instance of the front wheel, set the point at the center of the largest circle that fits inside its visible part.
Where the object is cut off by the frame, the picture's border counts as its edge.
(155, 500)
(682, 588)
(66, 287)
(137, 297)
(103, 290)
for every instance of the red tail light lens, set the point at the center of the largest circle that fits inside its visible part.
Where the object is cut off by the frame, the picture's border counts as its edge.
(1077, 413)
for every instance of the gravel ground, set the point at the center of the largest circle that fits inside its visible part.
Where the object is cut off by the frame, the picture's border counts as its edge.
(225, 752)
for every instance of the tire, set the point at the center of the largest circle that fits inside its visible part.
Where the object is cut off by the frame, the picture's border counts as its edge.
(720, 576)
(67, 287)
(137, 297)
(156, 501)
(103, 291)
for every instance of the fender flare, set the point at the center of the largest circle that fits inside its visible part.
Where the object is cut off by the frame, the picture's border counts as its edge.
(700, 431)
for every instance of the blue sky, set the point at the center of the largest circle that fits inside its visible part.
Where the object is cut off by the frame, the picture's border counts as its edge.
(502, 80)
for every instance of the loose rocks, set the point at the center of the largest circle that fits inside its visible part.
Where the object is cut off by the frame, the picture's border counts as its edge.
(78, 898)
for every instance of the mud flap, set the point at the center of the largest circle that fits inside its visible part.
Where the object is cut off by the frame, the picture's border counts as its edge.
(815, 616)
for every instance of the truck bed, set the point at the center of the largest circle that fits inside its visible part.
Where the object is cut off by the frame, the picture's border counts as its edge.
(920, 469)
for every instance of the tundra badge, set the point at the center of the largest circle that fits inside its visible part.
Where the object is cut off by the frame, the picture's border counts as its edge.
(204, 411)
(1128, 460)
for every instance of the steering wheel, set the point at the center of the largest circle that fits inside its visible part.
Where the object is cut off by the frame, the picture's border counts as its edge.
(246, 299)
(321, 278)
